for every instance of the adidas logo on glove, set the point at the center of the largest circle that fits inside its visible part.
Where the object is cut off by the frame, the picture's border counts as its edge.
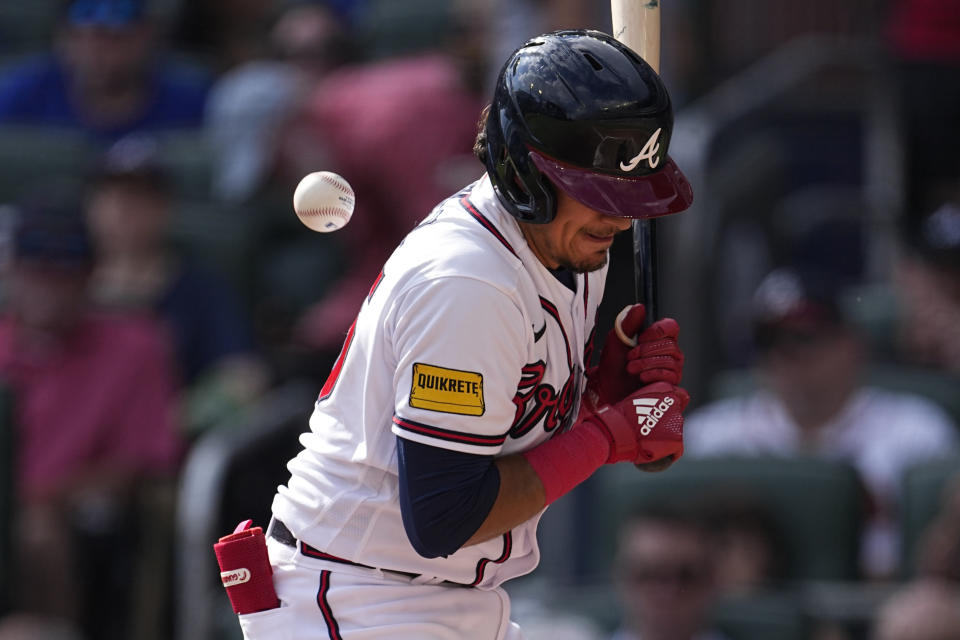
(649, 412)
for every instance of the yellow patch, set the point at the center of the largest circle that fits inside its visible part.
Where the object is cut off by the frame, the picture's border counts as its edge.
(447, 390)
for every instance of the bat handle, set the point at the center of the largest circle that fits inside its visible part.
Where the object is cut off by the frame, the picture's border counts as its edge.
(645, 279)
(645, 268)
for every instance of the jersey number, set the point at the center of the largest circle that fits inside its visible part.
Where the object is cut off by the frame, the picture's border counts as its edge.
(338, 365)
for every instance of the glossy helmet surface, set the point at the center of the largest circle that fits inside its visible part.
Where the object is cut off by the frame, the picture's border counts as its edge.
(579, 111)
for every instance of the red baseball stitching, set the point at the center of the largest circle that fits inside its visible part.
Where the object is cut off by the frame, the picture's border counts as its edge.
(325, 211)
(337, 183)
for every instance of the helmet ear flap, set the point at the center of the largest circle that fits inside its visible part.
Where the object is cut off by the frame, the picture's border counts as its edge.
(522, 189)
(543, 198)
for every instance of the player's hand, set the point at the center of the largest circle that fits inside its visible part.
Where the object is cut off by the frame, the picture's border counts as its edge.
(645, 427)
(632, 358)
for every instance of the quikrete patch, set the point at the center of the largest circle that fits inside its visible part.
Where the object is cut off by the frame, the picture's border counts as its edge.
(446, 390)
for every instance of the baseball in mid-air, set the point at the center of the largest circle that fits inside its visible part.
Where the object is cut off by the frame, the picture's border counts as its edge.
(323, 201)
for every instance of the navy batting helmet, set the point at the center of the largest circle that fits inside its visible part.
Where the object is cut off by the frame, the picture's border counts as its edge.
(580, 111)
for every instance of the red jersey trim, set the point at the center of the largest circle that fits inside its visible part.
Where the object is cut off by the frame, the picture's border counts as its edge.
(485, 222)
(450, 436)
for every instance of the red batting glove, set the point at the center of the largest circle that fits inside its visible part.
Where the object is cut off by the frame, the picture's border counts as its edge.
(644, 427)
(629, 361)
(657, 356)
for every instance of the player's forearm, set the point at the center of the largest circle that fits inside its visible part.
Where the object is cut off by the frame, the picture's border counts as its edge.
(520, 497)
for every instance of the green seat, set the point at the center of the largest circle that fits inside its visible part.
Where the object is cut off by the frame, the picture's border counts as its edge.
(189, 161)
(27, 26)
(32, 156)
(777, 614)
(817, 505)
(939, 386)
(389, 28)
(922, 486)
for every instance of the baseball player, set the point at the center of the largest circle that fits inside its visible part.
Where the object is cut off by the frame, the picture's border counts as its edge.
(459, 407)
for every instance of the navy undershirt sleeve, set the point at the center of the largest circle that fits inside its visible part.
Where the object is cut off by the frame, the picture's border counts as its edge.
(444, 495)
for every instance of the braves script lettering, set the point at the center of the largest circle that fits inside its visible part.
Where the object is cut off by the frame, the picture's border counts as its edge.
(536, 401)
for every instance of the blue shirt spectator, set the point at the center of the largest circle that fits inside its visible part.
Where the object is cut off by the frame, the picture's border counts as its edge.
(105, 76)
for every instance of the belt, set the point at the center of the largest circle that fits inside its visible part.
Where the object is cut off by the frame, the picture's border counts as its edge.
(279, 532)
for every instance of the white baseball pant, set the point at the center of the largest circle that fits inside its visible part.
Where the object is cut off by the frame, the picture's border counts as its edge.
(322, 599)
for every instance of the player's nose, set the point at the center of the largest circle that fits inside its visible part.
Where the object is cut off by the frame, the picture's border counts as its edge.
(620, 224)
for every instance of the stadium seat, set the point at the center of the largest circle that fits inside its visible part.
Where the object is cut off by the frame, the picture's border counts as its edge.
(938, 386)
(31, 156)
(388, 28)
(818, 505)
(26, 27)
(922, 487)
(762, 616)
(187, 157)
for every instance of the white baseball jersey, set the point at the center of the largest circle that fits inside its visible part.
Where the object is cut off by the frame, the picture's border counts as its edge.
(465, 342)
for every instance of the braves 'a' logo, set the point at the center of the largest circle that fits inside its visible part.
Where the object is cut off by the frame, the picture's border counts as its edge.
(536, 401)
(648, 153)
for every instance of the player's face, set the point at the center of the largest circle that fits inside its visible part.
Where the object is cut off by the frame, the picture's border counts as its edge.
(577, 238)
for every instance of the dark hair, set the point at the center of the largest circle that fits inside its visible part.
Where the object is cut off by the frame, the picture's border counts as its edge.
(480, 144)
(794, 302)
(732, 511)
(687, 516)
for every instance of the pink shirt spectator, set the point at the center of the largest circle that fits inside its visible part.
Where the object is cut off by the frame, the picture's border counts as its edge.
(396, 131)
(101, 401)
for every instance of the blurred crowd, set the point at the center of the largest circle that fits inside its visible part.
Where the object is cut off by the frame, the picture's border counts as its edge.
(156, 285)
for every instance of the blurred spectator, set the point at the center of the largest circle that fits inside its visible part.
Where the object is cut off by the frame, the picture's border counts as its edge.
(924, 610)
(927, 285)
(814, 402)
(250, 103)
(938, 553)
(665, 577)
(516, 21)
(129, 206)
(750, 552)
(400, 131)
(105, 76)
(94, 413)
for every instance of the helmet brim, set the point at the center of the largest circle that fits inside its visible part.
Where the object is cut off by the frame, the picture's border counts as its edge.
(657, 194)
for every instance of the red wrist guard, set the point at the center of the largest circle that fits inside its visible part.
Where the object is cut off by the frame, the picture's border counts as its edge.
(568, 458)
(245, 569)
